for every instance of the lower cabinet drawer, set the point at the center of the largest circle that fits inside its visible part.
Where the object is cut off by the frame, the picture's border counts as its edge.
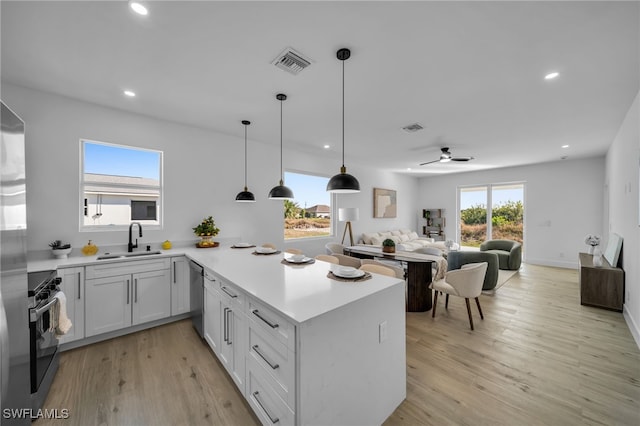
(267, 405)
(276, 362)
(272, 323)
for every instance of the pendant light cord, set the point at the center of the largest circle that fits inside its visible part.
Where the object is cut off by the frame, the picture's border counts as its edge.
(281, 173)
(245, 157)
(342, 113)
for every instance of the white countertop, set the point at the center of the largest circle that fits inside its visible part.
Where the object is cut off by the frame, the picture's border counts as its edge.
(300, 292)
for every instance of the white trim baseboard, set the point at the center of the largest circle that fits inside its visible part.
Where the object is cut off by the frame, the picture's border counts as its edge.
(567, 264)
(633, 326)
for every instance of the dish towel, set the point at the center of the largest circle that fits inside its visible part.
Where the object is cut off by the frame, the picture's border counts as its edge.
(63, 323)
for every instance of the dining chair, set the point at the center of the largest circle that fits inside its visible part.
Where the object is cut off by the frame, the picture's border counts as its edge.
(465, 282)
(398, 270)
(378, 269)
(328, 258)
(332, 248)
(345, 260)
(269, 245)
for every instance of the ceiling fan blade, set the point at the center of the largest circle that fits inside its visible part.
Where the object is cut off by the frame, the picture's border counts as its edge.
(429, 162)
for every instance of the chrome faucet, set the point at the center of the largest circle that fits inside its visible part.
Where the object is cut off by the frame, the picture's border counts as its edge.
(131, 246)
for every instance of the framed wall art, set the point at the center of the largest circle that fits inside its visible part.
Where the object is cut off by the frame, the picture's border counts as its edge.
(384, 203)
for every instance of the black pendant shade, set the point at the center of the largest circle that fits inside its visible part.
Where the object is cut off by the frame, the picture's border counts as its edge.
(343, 182)
(245, 196)
(281, 192)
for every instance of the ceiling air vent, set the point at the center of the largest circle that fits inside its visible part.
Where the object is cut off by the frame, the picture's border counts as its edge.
(291, 61)
(412, 128)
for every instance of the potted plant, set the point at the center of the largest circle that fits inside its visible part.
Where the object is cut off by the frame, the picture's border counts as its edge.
(59, 250)
(206, 230)
(389, 246)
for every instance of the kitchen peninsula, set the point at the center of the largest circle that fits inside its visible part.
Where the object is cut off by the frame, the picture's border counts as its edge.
(302, 348)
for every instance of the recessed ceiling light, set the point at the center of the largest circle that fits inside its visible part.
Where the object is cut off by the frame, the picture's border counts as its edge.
(138, 8)
(129, 93)
(551, 75)
(565, 146)
(327, 146)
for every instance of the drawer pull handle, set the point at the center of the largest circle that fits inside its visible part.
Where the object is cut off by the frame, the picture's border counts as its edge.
(128, 289)
(226, 333)
(255, 348)
(228, 321)
(79, 283)
(269, 323)
(230, 294)
(255, 396)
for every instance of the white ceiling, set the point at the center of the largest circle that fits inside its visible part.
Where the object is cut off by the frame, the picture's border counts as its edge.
(472, 73)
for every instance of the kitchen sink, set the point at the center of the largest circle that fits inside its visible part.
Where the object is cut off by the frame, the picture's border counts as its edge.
(107, 256)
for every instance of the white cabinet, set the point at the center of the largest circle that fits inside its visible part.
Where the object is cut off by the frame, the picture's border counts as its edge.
(73, 287)
(225, 326)
(212, 316)
(180, 301)
(120, 295)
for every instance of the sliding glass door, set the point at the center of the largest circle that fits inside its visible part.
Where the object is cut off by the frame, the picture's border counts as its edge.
(504, 219)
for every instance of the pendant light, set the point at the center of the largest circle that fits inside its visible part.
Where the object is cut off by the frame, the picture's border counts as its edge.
(343, 182)
(281, 192)
(245, 196)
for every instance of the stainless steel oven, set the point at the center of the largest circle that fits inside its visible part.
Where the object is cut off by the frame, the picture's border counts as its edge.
(42, 337)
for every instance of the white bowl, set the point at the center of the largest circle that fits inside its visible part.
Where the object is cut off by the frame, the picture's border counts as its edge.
(297, 257)
(347, 270)
(265, 249)
(61, 253)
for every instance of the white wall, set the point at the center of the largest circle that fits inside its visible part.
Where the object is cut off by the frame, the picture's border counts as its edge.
(203, 172)
(622, 179)
(563, 203)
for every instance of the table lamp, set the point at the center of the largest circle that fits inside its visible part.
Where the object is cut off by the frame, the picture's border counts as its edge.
(348, 214)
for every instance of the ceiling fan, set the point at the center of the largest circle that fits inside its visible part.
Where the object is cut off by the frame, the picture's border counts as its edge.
(445, 157)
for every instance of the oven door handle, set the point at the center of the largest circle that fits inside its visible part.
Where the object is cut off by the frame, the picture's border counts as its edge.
(36, 313)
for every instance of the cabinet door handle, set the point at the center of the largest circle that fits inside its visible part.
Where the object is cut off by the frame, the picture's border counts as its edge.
(79, 284)
(135, 289)
(224, 324)
(229, 293)
(269, 323)
(255, 348)
(273, 420)
(174, 271)
(128, 292)
(229, 326)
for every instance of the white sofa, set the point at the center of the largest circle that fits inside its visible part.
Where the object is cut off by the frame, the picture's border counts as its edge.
(405, 239)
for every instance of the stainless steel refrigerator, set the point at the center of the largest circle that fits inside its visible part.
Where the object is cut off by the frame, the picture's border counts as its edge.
(14, 325)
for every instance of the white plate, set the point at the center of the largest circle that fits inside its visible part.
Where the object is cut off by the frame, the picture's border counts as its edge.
(356, 274)
(303, 260)
(243, 245)
(265, 250)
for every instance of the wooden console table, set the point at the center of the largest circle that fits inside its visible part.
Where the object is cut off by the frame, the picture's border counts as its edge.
(601, 287)
(418, 275)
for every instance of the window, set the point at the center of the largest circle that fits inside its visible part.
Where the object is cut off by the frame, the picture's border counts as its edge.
(119, 184)
(143, 210)
(309, 214)
(489, 212)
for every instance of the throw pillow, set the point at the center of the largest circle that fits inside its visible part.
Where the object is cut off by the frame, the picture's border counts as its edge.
(404, 238)
(413, 236)
(367, 237)
(385, 234)
(396, 233)
(377, 241)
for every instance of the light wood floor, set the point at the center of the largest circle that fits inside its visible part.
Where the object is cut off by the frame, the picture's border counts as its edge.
(538, 358)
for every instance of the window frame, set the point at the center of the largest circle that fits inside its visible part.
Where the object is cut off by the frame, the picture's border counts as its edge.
(134, 196)
(333, 211)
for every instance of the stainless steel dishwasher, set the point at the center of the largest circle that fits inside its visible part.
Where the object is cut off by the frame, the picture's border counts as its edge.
(196, 284)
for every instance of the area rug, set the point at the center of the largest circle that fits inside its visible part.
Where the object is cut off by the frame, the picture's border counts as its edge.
(503, 277)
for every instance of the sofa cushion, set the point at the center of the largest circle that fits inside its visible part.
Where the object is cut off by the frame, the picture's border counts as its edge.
(404, 238)
(367, 237)
(385, 234)
(377, 240)
(413, 236)
(396, 233)
(405, 231)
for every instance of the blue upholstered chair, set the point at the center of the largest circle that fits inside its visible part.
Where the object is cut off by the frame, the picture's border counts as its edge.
(509, 253)
(455, 260)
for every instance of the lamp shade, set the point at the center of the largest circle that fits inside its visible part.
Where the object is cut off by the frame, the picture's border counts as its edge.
(348, 214)
(245, 196)
(281, 192)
